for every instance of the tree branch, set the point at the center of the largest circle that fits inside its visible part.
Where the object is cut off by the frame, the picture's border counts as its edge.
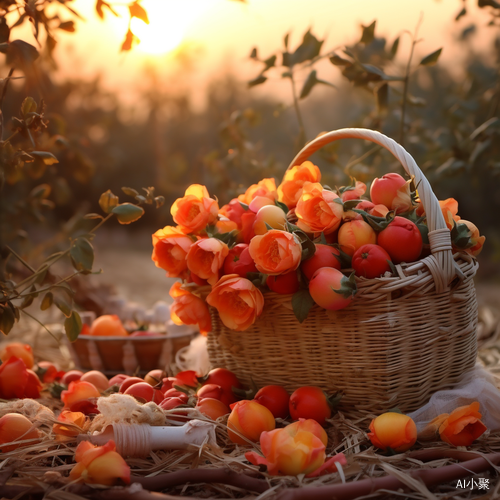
(355, 489)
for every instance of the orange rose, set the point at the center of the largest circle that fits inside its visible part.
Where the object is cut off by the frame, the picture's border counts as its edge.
(206, 257)
(233, 211)
(462, 426)
(317, 210)
(476, 240)
(354, 192)
(18, 350)
(195, 210)
(295, 450)
(188, 309)
(449, 208)
(71, 424)
(80, 396)
(393, 430)
(225, 225)
(290, 189)
(170, 247)
(99, 465)
(276, 252)
(265, 188)
(237, 300)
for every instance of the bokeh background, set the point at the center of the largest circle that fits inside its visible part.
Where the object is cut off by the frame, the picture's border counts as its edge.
(193, 102)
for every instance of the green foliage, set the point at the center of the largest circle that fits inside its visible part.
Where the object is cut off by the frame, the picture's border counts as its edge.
(127, 213)
(302, 302)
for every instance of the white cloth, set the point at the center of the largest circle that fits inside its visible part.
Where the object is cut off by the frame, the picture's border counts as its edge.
(475, 385)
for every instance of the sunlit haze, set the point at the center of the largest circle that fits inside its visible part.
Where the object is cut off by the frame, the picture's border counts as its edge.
(204, 39)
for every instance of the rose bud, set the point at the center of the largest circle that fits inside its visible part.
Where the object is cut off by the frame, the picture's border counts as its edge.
(99, 465)
(250, 419)
(393, 430)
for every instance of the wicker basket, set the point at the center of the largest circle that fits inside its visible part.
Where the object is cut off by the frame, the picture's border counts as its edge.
(402, 338)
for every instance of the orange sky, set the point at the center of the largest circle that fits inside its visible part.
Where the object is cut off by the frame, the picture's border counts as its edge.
(221, 33)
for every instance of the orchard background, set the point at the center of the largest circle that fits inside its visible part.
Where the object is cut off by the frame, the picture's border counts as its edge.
(96, 96)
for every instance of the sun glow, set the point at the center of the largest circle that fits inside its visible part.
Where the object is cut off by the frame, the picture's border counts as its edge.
(169, 21)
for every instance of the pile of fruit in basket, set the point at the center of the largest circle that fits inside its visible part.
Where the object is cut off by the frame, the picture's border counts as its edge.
(300, 238)
(289, 428)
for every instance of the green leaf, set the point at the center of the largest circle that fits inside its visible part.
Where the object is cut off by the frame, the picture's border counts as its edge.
(92, 216)
(462, 13)
(488, 3)
(108, 201)
(257, 81)
(19, 53)
(286, 39)
(310, 82)
(343, 258)
(45, 156)
(137, 10)
(130, 38)
(42, 191)
(308, 246)
(130, 192)
(73, 326)
(378, 74)
(7, 317)
(301, 304)
(67, 26)
(47, 301)
(339, 61)
(394, 48)
(282, 205)
(28, 106)
(424, 232)
(382, 94)
(269, 62)
(82, 255)
(63, 303)
(368, 33)
(4, 31)
(348, 287)
(127, 213)
(393, 267)
(431, 59)
(160, 201)
(307, 50)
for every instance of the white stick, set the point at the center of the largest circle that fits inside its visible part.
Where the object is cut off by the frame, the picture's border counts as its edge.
(137, 440)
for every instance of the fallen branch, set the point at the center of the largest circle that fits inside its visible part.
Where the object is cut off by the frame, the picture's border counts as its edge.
(430, 477)
(222, 476)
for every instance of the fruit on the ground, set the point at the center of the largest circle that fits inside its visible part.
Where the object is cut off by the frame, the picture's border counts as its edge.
(275, 398)
(310, 402)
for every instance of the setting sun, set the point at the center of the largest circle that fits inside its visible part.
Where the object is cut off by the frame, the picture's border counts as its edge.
(168, 23)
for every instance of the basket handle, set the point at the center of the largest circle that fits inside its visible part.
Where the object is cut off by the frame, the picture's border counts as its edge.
(440, 263)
